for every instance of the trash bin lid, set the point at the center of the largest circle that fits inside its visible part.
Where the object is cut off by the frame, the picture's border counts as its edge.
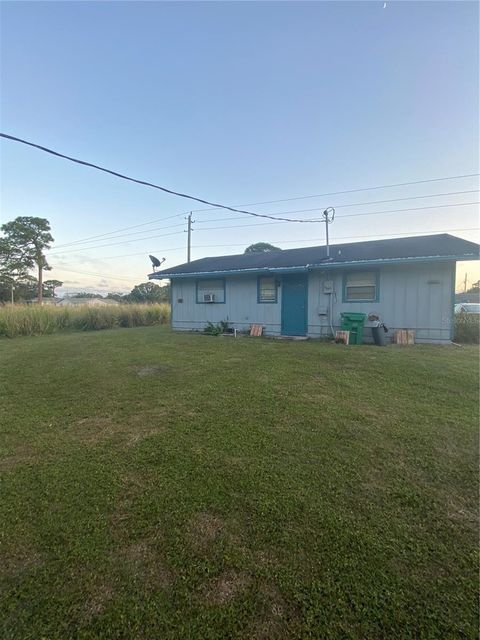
(351, 315)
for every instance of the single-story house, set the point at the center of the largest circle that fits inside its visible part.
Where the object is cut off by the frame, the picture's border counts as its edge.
(89, 302)
(409, 283)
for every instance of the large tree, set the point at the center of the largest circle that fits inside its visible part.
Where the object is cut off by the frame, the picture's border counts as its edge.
(29, 237)
(149, 292)
(12, 269)
(261, 247)
(49, 287)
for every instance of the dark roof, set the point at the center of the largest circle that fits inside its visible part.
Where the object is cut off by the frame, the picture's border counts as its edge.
(440, 246)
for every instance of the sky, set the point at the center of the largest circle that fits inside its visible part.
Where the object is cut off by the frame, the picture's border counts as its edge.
(239, 103)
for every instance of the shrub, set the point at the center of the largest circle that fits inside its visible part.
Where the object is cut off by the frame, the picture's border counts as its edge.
(216, 329)
(467, 328)
(30, 320)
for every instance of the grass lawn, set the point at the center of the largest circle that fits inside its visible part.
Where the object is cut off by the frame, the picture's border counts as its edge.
(164, 486)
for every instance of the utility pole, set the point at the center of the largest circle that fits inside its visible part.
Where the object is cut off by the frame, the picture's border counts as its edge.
(329, 217)
(465, 282)
(12, 290)
(189, 235)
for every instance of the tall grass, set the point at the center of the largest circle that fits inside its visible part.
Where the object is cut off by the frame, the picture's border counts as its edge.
(467, 328)
(32, 320)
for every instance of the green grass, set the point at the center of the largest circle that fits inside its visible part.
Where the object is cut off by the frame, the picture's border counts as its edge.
(184, 486)
(31, 320)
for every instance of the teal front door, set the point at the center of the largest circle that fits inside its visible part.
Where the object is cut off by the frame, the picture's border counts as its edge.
(294, 305)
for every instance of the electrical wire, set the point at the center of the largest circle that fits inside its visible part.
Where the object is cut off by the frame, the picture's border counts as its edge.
(89, 273)
(123, 235)
(261, 224)
(216, 205)
(213, 204)
(240, 244)
(80, 242)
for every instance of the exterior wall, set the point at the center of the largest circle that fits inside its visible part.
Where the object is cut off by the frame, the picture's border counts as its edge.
(418, 296)
(241, 308)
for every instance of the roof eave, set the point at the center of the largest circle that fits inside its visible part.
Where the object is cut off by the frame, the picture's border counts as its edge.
(229, 272)
(163, 275)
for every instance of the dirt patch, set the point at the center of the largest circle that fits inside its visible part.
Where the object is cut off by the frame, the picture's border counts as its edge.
(278, 619)
(144, 563)
(152, 370)
(24, 454)
(205, 528)
(226, 587)
(94, 429)
(19, 562)
(98, 601)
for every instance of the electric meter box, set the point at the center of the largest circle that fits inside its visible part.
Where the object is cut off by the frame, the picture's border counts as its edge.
(328, 286)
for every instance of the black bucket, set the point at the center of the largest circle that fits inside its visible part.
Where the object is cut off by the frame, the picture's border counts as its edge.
(379, 336)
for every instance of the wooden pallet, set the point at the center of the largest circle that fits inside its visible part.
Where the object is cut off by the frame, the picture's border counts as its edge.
(342, 337)
(404, 336)
(256, 329)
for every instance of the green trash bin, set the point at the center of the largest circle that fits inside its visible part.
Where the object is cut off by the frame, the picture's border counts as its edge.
(353, 322)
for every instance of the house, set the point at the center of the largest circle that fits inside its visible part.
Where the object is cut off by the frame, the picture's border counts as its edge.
(90, 302)
(409, 283)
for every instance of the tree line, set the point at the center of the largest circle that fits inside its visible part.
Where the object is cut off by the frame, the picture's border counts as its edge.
(22, 249)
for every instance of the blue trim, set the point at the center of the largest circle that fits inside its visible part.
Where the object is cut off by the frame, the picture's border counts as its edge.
(382, 261)
(377, 287)
(234, 272)
(259, 301)
(215, 302)
(452, 302)
(310, 267)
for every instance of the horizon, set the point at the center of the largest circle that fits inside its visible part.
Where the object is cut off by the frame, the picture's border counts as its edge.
(237, 103)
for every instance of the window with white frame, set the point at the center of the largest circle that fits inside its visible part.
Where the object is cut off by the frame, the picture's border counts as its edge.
(267, 289)
(211, 291)
(361, 286)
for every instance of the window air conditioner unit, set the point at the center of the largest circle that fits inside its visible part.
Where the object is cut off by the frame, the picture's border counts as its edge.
(208, 297)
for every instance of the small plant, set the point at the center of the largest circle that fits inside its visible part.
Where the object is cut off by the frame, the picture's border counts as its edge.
(216, 329)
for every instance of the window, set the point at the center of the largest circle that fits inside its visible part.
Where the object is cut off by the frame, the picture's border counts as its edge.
(211, 291)
(360, 286)
(267, 289)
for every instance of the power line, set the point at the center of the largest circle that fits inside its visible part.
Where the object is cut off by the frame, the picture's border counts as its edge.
(240, 244)
(110, 236)
(348, 215)
(89, 273)
(112, 244)
(261, 224)
(217, 205)
(123, 235)
(356, 204)
(144, 182)
(135, 226)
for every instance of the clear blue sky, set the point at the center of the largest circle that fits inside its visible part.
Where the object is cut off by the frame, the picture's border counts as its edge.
(238, 102)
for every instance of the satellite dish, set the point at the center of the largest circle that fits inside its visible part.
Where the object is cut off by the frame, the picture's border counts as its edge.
(156, 262)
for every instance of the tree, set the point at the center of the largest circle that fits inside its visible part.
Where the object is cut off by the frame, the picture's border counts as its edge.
(86, 294)
(149, 292)
(12, 269)
(28, 238)
(261, 247)
(19, 290)
(49, 287)
(118, 297)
